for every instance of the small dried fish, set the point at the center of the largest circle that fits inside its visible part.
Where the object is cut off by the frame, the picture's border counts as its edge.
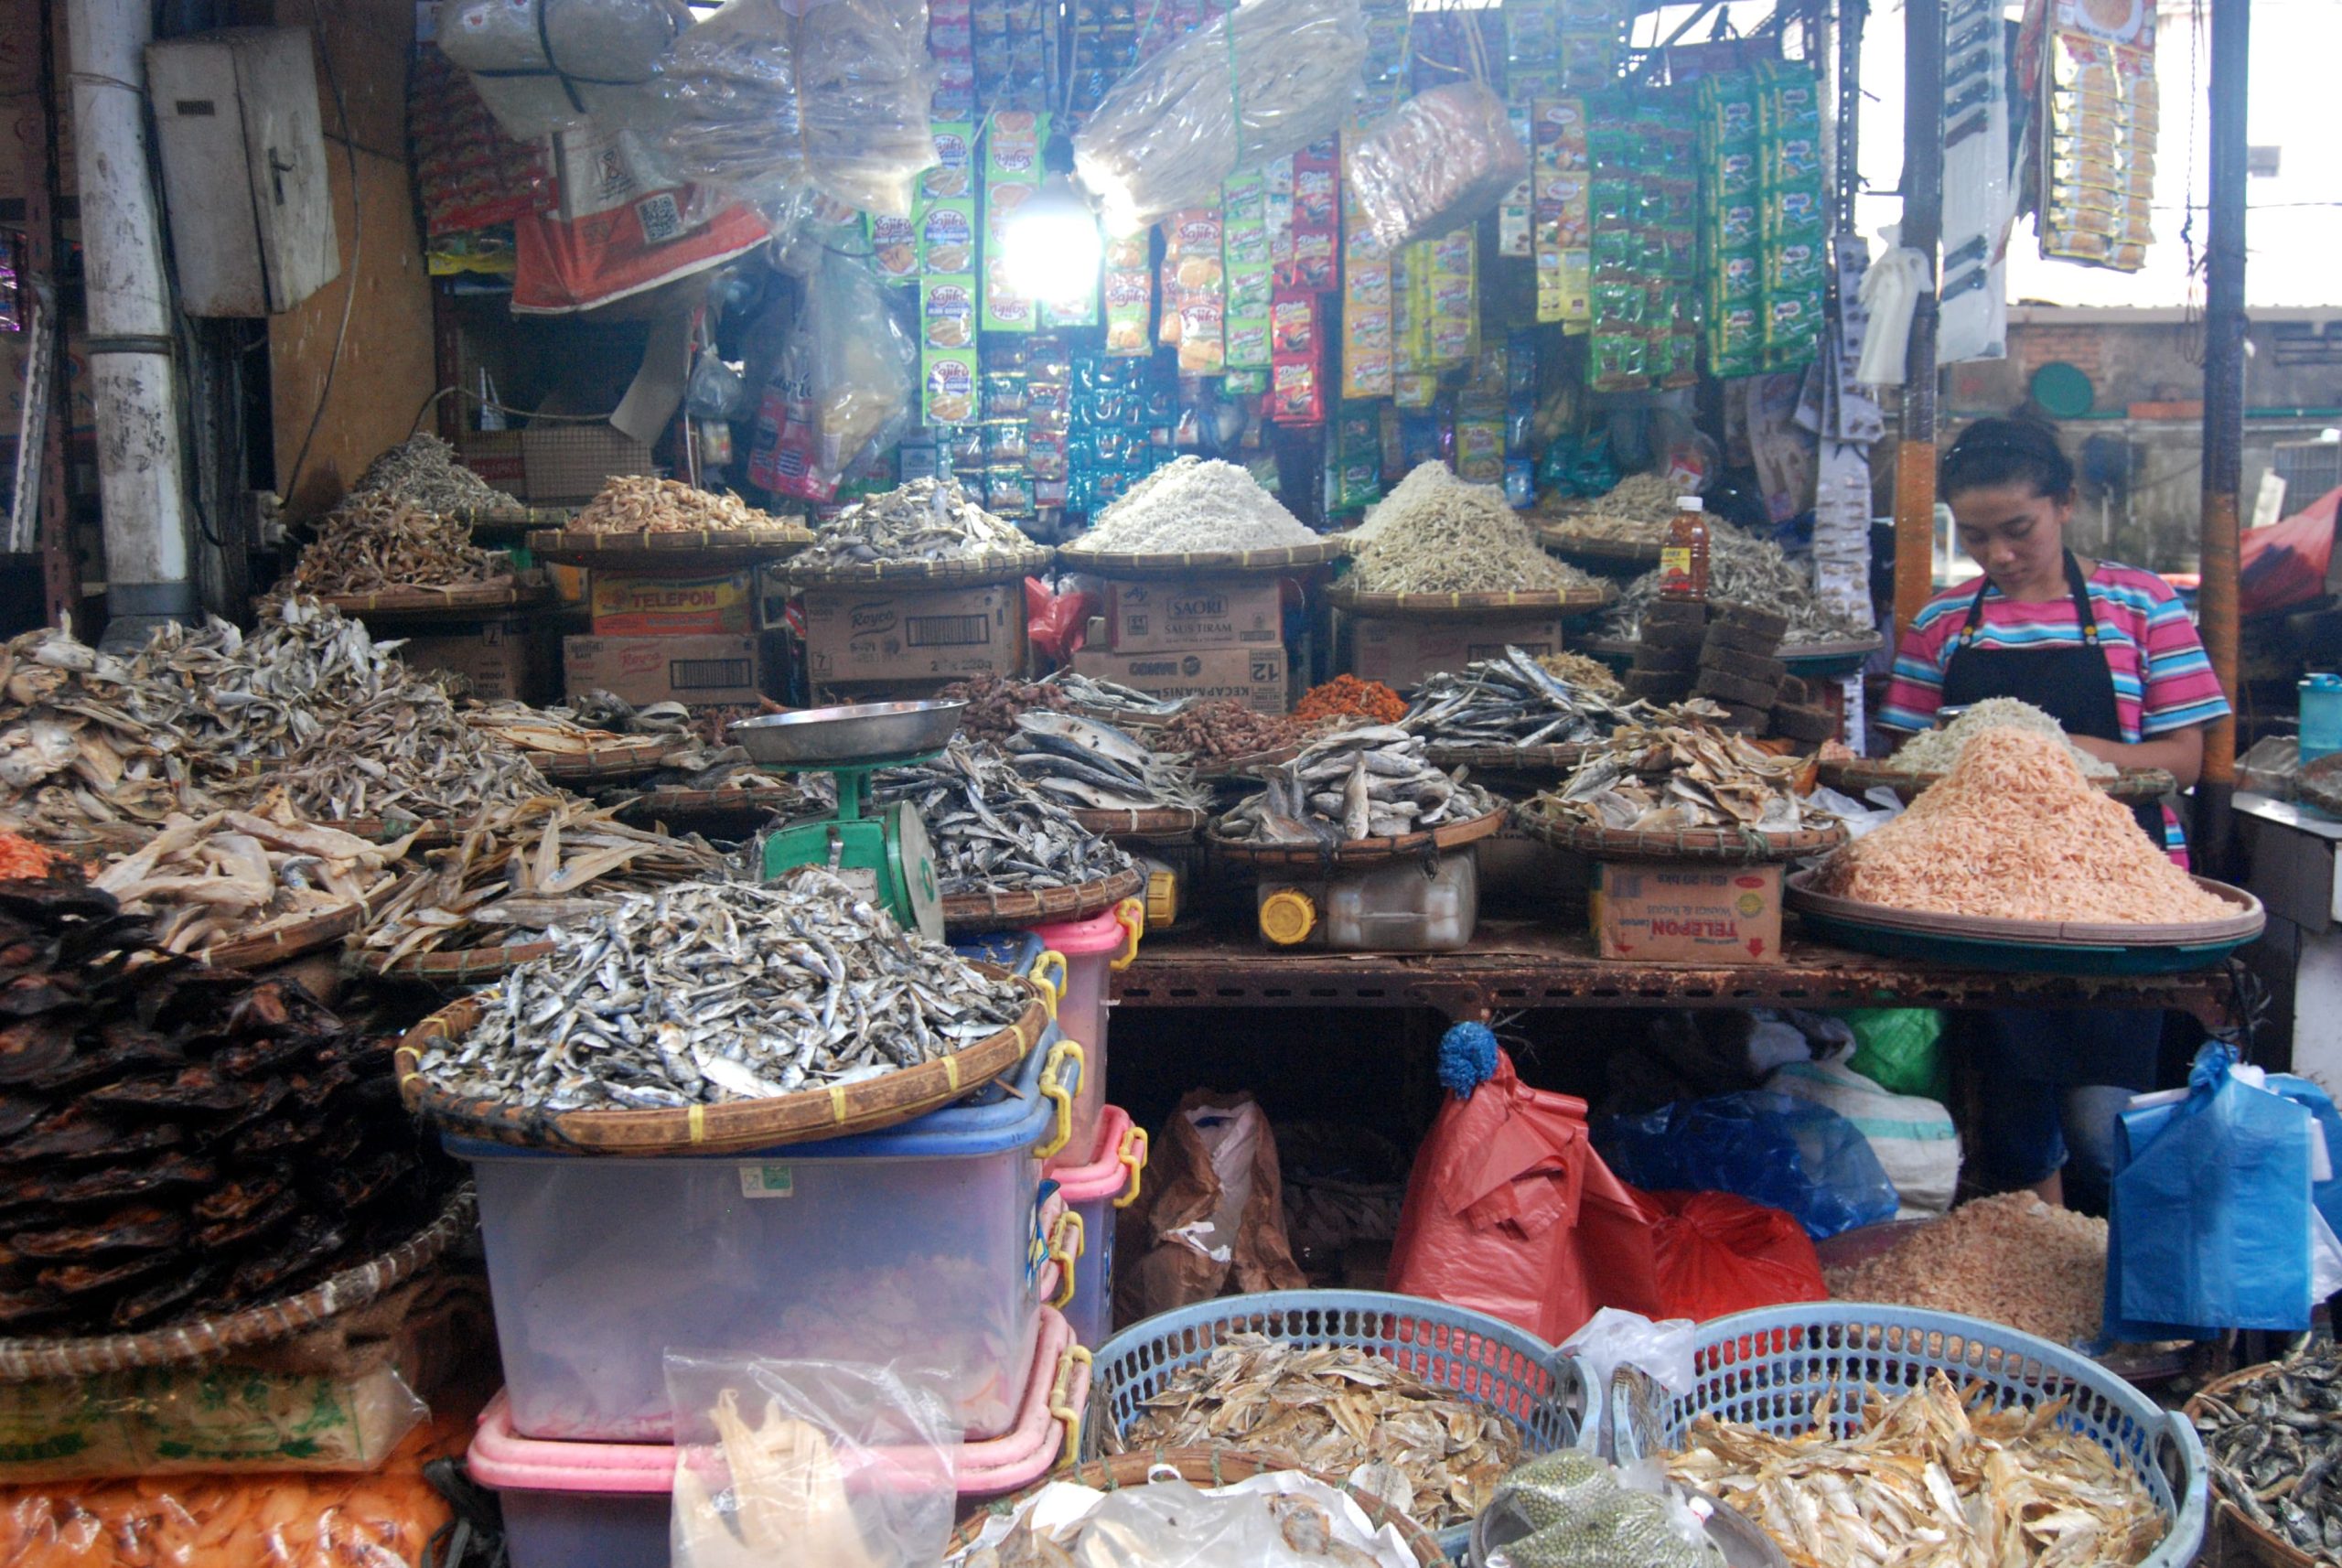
(927, 519)
(1366, 782)
(233, 876)
(639, 503)
(1744, 569)
(1335, 1408)
(1676, 769)
(707, 993)
(377, 544)
(1089, 765)
(1112, 697)
(1435, 533)
(424, 472)
(550, 731)
(1512, 701)
(991, 829)
(2275, 1440)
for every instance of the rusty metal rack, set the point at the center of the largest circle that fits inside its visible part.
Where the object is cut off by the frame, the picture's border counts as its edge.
(1516, 965)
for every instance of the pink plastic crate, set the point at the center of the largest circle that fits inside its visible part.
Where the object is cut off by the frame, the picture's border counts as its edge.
(1107, 1180)
(1093, 950)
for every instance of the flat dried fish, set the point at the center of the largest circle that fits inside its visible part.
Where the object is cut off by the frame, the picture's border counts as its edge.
(639, 503)
(1371, 781)
(1089, 765)
(927, 519)
(232, 876)
(991, 829)
(1335, 1408)
(1675, 769)
(708, 992)
(1512, 701)
(378, 543)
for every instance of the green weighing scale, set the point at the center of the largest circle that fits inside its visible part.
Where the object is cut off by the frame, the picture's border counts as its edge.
(885, 853)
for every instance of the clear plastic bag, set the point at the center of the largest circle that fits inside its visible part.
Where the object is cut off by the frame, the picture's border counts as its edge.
(1440, 159)
(1612, 1340)
(1167, 135)
(846, 383)
(602, 52)
(1284, 1519)
(814, 1462)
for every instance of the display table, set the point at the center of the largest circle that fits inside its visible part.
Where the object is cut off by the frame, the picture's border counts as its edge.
(2289, 851)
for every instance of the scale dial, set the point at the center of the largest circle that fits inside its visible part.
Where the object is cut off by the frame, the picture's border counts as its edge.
(915, 859)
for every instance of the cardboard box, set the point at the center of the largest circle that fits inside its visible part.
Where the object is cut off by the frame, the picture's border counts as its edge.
(629, 604)
(502, 657)
(1221, 612)
(1254, 676)
(706, 670)
(1402, 652)
(494, 455)
(1688, 913)
(888, 634)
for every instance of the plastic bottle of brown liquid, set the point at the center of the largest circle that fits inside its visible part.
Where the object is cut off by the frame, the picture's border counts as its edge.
(1683, 560)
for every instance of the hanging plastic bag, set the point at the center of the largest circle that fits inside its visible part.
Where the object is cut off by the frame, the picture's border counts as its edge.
(814, 1462)
(1770, 1148)
(1611, 1340)
(1057, 623)
(1719, 1253)
(1442, 158)
(542, 66)
(1891, 289)
(1511, 1212)
(1214, 1211)
(1913, 1136)
(844, 388)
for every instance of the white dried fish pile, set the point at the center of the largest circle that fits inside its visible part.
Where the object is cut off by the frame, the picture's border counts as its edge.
(377, 544)
(1086, 764)
(1094, 695)
(1512, 701)
(1933, 1477)
(991, 829)
(708, 992)
(1341, 1412)
(1678, 771)
(514, 877)
(640, 503)
(424, 472)
(1194, 503)
(1436, 535)
(1938, 750)
(233, 876)
(927, 519)
(1638, 509)
(1743, 570)
(1370, 782)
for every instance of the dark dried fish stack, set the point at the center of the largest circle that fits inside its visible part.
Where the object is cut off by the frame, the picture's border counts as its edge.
(174, 1139)
(2275, 1443)
(992, 829)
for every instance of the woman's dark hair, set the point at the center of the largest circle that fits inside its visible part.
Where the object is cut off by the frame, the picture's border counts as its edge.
(1995, 452)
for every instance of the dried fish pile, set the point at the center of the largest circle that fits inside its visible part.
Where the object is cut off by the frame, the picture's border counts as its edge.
(235, 876)
(378, 543)
(2273, 1438)
(1512, 701)
(1589, 674)
(2008, 1258)
(927, 519)
(547, 862)
(1679, 771)
(995, 700)
(708, 992)
(176, 1140)
(424, 472)
(1746, 570)
(639, 503)
(1223, 729)
(1936, 750)
(1090, 764)
(2011, 1487)
(554, 732)
(1637, 511)
(992, 829)
(1368, 782)
(1193, 504)
(1571, 1509)
(1112, 697)
(1341, 1412)
(1436, 535)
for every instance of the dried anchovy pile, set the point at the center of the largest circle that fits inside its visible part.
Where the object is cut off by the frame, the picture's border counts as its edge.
(994, 701)
(992, 829)
(1191, 504)
(375, 543)
(1223, 729)
(1677, 771)
(1369, 782)
(1746, 570)
(708, 992)
(2273, 1441)
(927, 519)
(424, 472)
(639, 503)
(1637, 511)
(1586, 673)
(1436, 535)
(176, 1140)
(1512, 701)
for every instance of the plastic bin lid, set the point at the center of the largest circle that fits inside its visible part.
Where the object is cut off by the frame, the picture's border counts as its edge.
(1104, 1176)
(1078, 939)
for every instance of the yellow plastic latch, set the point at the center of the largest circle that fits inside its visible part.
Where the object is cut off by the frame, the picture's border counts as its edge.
(1132, 1155)
(1287, 916)
(1048, 973)
(1065, 1246)
(1132, 915)
(1063, 1405)
(1054, 1090)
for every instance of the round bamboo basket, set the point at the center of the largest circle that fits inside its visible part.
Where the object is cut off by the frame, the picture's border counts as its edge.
(1733, 846)
(1467, 607)
(1190, 563)
(1002, 908)
(1357, 851)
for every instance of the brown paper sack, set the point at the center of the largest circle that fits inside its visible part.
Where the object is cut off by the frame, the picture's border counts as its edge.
(1211, 1221)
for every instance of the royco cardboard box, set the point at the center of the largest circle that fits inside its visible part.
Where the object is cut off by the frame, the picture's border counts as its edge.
(886, 634)
(1221, 612)
(1254, 676)
(626, 604)
(1688, 914)
(1402, 652)
(502, 657)
(702, 669)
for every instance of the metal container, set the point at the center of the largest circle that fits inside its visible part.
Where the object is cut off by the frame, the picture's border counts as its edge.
(863, 732)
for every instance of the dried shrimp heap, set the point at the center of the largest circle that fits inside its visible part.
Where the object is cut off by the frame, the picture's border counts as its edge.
(1348, 697)
(639, 503)
(1930, 1473)
(1371, 781)
(1935, 750)
(425, 473)
(377, 544)
(1679, 771)
(1586, 673)
(1341, 1412)
(995, 702)
(1194, 504)
(2006, 1259)
(2014, 833)
(1746, 570)
(707, 993)
(992, 829)
(927, 519)
(1436, 535)
(236, 877)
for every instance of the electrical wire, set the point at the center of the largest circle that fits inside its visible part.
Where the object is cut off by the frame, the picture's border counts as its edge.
(356, 252)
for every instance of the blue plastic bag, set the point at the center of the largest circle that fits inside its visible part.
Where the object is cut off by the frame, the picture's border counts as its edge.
(1773, 1149)
(2327, 1195)
(2209, 1223)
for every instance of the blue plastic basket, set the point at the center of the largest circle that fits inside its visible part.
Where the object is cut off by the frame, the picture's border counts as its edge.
(1484, 1359)
(1766, 1369)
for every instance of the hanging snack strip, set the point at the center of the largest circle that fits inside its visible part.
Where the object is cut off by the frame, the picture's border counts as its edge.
(1560, 181)
(1765, 220)
(2098, 120)
(1251, 278)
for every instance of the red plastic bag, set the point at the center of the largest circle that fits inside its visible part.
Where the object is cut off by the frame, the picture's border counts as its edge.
(1057, 623)
(1510, 1211)
(2285, 564)
(1719, 1253)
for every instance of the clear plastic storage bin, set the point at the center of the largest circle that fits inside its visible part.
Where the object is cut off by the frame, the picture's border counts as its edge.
(924, 1242)
(1089, 951)
(1109, 1180)
(1403, 905)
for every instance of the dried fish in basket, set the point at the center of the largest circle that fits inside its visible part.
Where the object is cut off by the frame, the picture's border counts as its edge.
(561, 747)
(1675, 770)
(423, 472)
(236, 878)
(2273, 1436)
(927, 522)
(639, 503)
(378, 543)
(1370, 782)
(1090, 765)
(1512, 701)
(1112, 700)
(516, 875)
(992, 829)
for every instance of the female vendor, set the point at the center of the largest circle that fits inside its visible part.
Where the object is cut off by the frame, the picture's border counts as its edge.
(2107, 650)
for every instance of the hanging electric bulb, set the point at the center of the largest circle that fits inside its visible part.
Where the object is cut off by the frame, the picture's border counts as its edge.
(1051, 247)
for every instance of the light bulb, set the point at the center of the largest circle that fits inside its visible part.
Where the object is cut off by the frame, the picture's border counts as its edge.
(1050, 248)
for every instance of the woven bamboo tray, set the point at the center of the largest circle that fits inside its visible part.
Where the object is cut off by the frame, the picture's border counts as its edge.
(1356, 852)
(1003, 908)
(1199, 563)
(669, 805)
(2132, 786)
(1572, 545)
(1788, 653)
(462, 966)
(2238, 1536)
(1731, 846)
(1164, 825)
(319, 930)
(524, 517)
(207, 1339)
(497, 594)
(2242, 925)
(975, 573)
(633, 756)
(1512, 758)
(695, 549)
(1467, 607)
(1202, 1467)
(725, 1129)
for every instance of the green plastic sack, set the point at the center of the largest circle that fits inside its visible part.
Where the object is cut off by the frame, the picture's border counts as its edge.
(1900, 1049)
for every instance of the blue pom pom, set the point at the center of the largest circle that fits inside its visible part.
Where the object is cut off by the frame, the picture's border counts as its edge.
(1468, 1057)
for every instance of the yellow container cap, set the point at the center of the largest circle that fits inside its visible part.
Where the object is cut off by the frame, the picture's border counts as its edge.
(1161, 899)
(1287, 916)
